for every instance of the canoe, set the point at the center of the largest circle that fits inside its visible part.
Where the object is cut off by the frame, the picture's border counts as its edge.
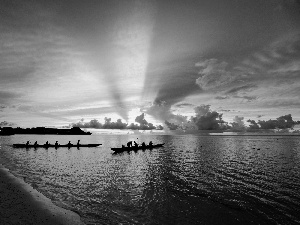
(55, 146)
(133, 148)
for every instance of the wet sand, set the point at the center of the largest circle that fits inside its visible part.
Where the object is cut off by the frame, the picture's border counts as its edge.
(21, 204)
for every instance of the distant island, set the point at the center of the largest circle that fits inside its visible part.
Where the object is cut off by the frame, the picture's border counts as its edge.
(4, 131)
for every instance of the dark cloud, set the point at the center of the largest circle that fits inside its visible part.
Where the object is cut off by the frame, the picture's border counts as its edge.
(162, 112)
(248, 98)
(7, 96)
(253, 124)
(2, 107)
(238, 123)
(109, 124)
(141, 119)
(280, 57)
(222, 97)
(282, 122)
(248, 78)
(176, 81)
(182, 105)
(6, 124)
(143, 123)
(213, 74)
(244, 88)
(171, 126)
(206, 119)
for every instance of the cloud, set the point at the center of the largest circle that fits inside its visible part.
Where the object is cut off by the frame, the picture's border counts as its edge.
(282, 122)
(38, 111)
(109, 124)
(6, 124)
(162, 112)
(7, 96)
(222, 97)
(239, 120)
(225, 110)
(206, 119)
(236, 92)
(269, 76)
(213, 74)
(244, 88)
(248, 98)
(182, 105)
(2, 107)
(141, 119)
(170, 80)
(280, 57)
(253, 124)
(144, 125)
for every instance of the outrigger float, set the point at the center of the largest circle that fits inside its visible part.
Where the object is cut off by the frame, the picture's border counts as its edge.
(135, 148)
(55, 146)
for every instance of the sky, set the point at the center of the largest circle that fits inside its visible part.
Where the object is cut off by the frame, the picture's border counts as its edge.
(63, 61)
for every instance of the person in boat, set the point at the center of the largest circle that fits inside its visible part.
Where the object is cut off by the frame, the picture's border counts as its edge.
(150, 143)
(143, 144)
(47, 143)
(27, 143)
(69, 144)
(35, 143)
(129, 144)
(136, 144)
(56, 144)
(78, 143)
(123, 146)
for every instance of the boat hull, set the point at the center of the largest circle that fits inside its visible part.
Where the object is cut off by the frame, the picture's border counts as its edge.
(133, 148)
(55, 146)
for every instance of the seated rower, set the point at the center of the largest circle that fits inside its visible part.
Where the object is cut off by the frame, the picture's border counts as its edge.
(143, 144)
(35, 143)
(47, 143)
(136, 144)
(69, 144)
(123, 146)
(150, 143)
(27, 143)
(78, 143)
(56, 144)
(129, 144)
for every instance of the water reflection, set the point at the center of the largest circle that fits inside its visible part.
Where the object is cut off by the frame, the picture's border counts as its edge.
(192, 180)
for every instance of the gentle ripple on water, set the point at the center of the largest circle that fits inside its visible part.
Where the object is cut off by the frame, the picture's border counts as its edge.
(192, 180)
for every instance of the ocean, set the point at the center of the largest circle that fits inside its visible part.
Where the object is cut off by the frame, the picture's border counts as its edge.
(192, 180)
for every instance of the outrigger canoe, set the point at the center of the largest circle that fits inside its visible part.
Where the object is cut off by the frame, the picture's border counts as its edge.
(134, 148)
(55, 146)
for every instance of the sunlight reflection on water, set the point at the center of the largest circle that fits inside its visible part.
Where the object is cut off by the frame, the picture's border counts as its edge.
(192, 180)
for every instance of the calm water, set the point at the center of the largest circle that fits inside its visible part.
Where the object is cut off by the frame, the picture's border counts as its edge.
(193, 180)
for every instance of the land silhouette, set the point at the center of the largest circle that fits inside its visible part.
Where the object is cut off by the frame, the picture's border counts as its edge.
(43, 130)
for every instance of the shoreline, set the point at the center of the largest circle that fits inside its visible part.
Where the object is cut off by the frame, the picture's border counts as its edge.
(22, 204)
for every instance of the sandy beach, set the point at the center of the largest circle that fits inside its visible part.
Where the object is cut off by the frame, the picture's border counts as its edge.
(21, 204)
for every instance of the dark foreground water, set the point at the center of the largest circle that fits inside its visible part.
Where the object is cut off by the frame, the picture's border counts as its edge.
(193, 180)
